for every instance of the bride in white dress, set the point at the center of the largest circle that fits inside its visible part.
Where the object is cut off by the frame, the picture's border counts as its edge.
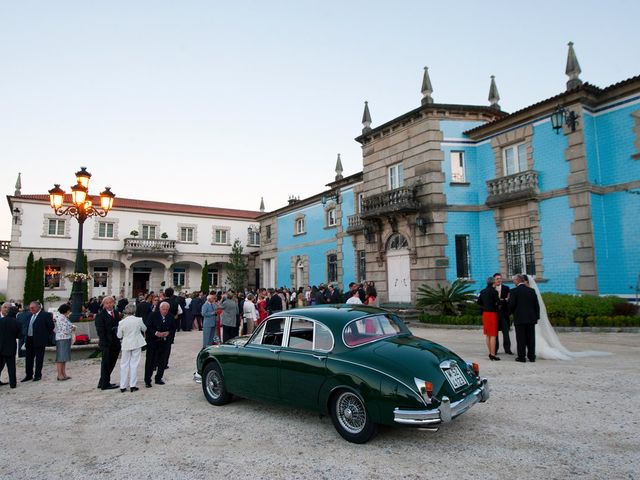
(548, 344)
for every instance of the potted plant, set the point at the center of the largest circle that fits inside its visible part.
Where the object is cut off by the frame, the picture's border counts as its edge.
(133, 233)
(164, 235)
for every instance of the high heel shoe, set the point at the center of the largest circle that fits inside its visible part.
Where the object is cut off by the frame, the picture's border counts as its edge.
(493, 357)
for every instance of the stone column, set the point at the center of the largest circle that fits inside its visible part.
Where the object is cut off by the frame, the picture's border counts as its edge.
(580, 202)
(127, 287)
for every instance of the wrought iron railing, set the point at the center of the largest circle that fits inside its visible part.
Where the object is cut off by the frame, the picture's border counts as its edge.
(516, 187)
(398, 200)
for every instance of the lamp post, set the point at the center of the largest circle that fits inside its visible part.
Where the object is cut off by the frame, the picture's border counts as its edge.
(81, 207)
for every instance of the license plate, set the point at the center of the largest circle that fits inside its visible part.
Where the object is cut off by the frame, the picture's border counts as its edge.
(455, 377)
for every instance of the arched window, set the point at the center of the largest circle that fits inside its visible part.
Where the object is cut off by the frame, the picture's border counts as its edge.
(332, 267)
(397, 242)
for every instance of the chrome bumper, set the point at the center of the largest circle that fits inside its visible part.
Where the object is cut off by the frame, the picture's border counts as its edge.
(447, 410)
(197, 377)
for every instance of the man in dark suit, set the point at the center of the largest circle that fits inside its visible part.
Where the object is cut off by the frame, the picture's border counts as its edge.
(504, 325)
(160, 330)
(523, 303)
(36, 333)
(23, 319)
(10, 331)
(106, 322)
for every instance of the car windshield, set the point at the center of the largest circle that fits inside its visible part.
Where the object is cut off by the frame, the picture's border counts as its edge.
(369, 329)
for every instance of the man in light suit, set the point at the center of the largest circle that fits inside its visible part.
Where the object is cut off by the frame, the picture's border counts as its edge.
(208, 311)
(523, 303)
(36, 334)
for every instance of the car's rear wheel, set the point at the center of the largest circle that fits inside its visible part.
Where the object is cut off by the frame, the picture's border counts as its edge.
(213, 385)
(350, 417)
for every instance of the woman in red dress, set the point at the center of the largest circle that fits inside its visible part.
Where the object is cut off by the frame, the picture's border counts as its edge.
(262, 307)
(488, 301)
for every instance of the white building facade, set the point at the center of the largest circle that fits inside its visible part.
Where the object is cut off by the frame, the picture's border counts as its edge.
(140, 246)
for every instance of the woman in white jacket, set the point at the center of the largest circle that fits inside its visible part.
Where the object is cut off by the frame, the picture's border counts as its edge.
(131, 331)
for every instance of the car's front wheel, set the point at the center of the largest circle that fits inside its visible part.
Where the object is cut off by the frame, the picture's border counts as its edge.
(213, 385)
(350, 417)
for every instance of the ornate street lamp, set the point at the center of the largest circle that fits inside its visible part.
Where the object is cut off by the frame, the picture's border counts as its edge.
(81, 208)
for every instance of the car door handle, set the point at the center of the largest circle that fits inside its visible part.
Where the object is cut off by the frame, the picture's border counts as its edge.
(274, 350)
(319, 357)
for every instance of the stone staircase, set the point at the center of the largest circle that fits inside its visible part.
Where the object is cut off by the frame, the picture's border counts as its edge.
(406, 311)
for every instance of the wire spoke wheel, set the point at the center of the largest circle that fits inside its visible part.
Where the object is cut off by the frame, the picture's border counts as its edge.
(351, 413)
(214, 384)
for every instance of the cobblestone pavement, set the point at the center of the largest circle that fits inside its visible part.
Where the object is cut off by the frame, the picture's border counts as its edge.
(550, 419)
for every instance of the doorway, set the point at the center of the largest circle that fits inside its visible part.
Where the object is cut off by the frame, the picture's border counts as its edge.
(398, 270)
(140, 283)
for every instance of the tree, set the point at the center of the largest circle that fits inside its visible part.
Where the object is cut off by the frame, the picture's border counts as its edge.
(237, 267)
(204, 282)
(447, 299)
(27, 295)
(38, 280)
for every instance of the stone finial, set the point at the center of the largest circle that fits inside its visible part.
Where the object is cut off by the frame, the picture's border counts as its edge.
(18, 185)
(338, 168)
(427, 89)
(261, 204)
(366, 118)
(573, 69)
(494, 96)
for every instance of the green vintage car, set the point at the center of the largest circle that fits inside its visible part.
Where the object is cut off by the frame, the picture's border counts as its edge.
(359, 364)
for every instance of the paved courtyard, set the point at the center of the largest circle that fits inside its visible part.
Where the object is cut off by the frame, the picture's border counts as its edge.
(550, 419)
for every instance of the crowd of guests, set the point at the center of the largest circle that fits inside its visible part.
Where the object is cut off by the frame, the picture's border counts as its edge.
(150, 323)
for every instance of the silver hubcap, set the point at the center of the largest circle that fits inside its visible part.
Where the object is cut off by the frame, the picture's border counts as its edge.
(351, 413)
(213, 383)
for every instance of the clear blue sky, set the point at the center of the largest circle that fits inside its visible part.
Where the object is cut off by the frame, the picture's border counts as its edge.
(219, 103)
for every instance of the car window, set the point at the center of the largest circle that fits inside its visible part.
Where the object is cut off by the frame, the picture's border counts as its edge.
(301, 334)
(368, 329)
(256, 338)
(323, 338)
(273, 332)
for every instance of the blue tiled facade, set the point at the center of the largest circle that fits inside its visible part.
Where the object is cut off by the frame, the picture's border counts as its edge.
(580, 213)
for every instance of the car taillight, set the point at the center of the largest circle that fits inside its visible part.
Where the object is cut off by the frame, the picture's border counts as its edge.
(428, 388)
(476, 368)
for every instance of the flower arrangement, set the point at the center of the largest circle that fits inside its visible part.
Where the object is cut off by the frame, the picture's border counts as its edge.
(78, 276)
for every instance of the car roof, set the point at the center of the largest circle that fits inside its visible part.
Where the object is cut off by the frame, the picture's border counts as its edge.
(334, 316)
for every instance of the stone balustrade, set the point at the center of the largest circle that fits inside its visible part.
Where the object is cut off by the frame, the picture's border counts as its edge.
(398, 200)
(354, 223)
(149, 246)
(517, 187)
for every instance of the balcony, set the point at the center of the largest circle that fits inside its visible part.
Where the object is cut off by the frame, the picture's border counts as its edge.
(149, 246)
(398, 200)
(354, 223)
(4, 249)
(512, 188)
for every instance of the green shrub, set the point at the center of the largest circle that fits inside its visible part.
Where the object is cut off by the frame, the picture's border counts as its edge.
(576, 308)
(589, 321)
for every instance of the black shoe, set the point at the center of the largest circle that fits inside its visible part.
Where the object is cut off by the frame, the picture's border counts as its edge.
(167, 367)
(508, 352)
(26, 379)
(12, 386)
(134, 389)
(159, 382)
(148, 384)
(37, 379)
(493, 357)
(522, 360)
(111, 386)
(532, 360)
(122, 390)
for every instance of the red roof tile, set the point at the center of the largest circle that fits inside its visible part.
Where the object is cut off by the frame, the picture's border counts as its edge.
(162, 207)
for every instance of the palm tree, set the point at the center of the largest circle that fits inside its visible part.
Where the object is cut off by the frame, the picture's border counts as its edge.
(446, 299)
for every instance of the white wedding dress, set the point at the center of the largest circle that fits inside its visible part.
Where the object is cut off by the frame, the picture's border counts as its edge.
(548, 344)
